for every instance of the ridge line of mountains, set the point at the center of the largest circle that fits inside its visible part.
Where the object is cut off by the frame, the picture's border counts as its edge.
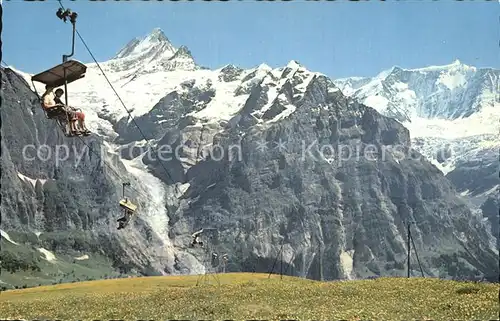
(442, 117)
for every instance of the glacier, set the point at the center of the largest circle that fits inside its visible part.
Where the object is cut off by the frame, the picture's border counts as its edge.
(349, 211)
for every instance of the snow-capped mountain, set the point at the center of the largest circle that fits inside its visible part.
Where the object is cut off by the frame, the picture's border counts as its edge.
(155, 42)
(452, 112)
(353, 209)
(149, 54)
(442, 92)
(147, 69)
(440, 105)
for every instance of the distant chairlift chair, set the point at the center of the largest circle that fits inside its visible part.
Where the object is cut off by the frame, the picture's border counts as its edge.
(128, 209)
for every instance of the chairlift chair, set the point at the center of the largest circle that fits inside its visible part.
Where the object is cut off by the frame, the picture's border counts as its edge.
(62, 74)
(128, 207)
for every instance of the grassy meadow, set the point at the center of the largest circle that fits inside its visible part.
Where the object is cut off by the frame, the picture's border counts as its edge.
(245, 296)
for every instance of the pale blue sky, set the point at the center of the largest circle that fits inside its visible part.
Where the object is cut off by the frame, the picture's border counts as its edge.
(338, 38)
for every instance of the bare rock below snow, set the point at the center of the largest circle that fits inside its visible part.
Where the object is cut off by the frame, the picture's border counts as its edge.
(298, 163)
(335, 179)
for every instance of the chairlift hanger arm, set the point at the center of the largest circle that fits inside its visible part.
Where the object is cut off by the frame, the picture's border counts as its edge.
(123, 188)
(121, 101)
(64, 15)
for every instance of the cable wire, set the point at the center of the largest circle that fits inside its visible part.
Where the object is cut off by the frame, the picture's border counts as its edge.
(416, 254)
(123, 104)
(81, 139)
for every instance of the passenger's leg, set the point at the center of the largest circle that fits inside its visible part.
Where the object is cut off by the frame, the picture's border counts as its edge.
(72, 120)
(121, 222)
(75, 129)
(75, 119)
(81, 121)
(68, 128)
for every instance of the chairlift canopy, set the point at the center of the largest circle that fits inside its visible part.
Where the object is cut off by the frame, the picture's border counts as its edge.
(128, 205)
(55, 76)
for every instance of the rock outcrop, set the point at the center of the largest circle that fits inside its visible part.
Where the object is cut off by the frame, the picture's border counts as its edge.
(261, 159)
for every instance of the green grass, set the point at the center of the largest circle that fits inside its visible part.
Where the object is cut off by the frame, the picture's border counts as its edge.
(243, 296)
(64, 269)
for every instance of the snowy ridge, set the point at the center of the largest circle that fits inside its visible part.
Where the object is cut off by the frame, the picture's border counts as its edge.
(437, 102)
(452, 113)
(155, 41)
(446, 92)
(430, 101)
(140, 91)
(450, 101)
(152, 53)
(454, 65)
(183, 104)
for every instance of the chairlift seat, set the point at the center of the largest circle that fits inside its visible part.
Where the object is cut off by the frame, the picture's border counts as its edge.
(126, 204)
(55, 112)
(54, 76)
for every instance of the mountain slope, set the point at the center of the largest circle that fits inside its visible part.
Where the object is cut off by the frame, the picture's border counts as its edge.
(452, 112)
(444, 92)
(61, 194)
(259, 156)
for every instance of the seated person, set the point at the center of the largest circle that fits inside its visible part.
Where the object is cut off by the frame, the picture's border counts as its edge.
(57, 97)
(48, 101)
(123, 221)
(78, 115)
(196, 238)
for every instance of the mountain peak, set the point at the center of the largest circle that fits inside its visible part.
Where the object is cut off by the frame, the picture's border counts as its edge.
(156, 42)
(183, 51)
(293, 64)
(456, 64)
(157, 34)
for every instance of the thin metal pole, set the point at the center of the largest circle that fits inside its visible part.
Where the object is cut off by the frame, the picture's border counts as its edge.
(64, 59)
(416, 255)
(281, 268)
(320, 262)
(73, 42)
(123, 189)
(409, 249)
(66, 94)
(275, 260)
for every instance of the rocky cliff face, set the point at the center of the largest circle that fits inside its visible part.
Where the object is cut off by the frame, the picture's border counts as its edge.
(452, 112)
(63, 190)
(261, 159)
(295, 183)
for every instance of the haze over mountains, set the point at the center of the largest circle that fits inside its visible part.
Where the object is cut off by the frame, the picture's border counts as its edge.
(337, 218)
